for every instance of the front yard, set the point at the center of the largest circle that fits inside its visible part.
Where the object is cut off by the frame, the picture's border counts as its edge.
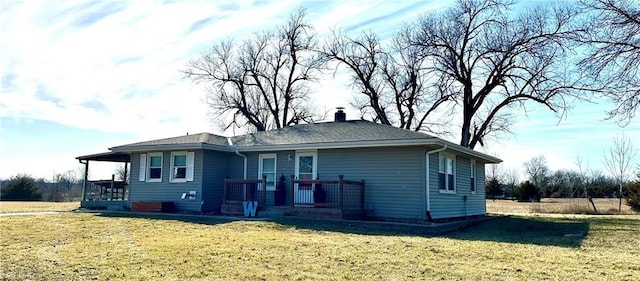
(82, 246)
(36, 206)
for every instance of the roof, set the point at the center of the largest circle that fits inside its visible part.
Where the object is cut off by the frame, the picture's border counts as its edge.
(355, 131)
(107, 156)
(187, 142)
(345, 134)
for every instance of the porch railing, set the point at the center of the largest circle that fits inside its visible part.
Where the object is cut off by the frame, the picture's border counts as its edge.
(236, 191)
(106, 190)
(342, 194)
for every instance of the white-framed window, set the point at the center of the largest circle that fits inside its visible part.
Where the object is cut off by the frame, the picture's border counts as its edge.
(181, 169)
(182, 166)
(472, 176)
(154, 172)
(267, 168)
(446, 173)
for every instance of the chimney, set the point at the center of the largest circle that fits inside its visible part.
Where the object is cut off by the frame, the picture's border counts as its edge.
(340, 116)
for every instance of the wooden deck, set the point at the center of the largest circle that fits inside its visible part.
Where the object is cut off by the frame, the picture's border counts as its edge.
(330, 199)
(302, 212)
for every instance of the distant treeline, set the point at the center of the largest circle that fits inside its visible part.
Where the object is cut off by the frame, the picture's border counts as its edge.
(22, 187)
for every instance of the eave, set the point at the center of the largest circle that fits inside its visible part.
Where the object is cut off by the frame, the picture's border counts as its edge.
(309, 146)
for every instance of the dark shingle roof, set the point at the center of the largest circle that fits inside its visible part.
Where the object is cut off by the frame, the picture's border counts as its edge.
(201, 138)
(354, 133)
(331, 132)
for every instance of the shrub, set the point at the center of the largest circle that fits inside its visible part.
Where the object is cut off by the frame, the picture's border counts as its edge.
(633, 195)
(21, 188)
(527, 192)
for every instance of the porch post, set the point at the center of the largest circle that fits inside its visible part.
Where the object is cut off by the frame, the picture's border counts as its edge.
(263, 196)
(224, 192)
(124, 184)
(86, 176)
(113, 178)
(340, 186)
(293, 190)
(124, 177)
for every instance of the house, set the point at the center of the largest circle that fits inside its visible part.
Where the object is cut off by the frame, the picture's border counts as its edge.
(342, 167)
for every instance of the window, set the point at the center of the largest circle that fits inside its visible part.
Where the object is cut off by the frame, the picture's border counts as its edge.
(182, 166)
(446, 173)
(178, 166)
(155, 167)
(473, 176)
(267, 168)
(181, 169)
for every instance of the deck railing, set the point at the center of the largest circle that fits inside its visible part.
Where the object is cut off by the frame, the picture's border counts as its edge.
(106, 190)
(236, 191)
(342, 194)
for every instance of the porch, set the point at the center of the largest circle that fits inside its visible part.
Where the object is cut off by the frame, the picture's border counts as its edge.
(339, 199)
(110, 194)
(106, 190)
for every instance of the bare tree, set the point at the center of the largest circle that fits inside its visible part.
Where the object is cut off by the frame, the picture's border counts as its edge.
(65, 182)
(494, 61)
(121, 174)
(511, 179)
(390, 80)
(538, 171)
(262, 82)
(587, 181)
(614, 53)
(618, 162)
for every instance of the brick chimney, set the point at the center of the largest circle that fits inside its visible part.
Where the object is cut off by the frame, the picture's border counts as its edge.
(340, 116)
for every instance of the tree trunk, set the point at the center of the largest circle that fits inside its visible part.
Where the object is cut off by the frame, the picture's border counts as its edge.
(620, 199)
(593, 204)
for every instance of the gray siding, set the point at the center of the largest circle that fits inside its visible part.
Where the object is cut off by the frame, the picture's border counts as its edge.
(165, 190)
(462, 202)
(393, 177)
(394, 180)
(217, 165)
(236, 167)
(481, 190)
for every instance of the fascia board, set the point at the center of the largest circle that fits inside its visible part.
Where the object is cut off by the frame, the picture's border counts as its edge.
(488, 158)
(165, 147)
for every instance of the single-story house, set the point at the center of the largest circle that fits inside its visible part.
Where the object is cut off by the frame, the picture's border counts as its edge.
(346, 167)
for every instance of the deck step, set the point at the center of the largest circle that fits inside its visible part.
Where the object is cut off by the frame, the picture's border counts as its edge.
(271, 214)
(282, 211)
(232, 209)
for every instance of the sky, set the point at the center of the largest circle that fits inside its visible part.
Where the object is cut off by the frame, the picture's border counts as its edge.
(78, 77)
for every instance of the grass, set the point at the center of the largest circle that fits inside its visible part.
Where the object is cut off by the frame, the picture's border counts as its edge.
(83, 246)
(36, 206)
(606, 206)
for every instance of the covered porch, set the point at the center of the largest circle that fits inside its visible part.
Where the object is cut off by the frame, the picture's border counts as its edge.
(340, 198)
(110, 193)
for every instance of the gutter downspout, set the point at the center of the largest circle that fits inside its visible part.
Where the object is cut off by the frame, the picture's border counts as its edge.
(427, 188)
(241, 155)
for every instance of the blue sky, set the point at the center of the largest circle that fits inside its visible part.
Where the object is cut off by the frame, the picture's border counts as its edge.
(78, 77)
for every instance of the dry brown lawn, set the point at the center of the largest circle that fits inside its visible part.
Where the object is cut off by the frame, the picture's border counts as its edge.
(91, 246)
(37, 206)
(558, 206)
(122, 246)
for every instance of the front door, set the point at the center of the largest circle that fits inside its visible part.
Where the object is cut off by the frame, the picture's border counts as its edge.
(306, 163)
